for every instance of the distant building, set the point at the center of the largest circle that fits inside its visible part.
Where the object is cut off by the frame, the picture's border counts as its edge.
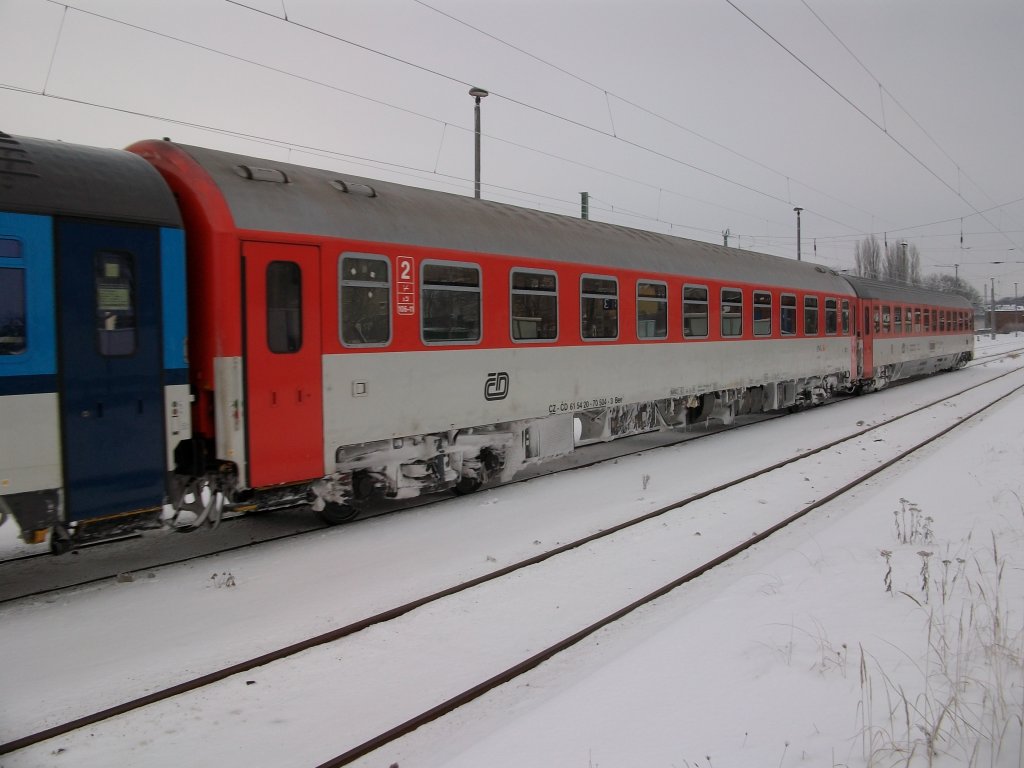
(1008, 319)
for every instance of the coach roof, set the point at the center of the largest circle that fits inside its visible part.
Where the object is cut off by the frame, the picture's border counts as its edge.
(281, 197)
(58, 179)
(867, 288)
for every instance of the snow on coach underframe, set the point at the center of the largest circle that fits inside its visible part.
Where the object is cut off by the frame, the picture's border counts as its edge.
(350, 339)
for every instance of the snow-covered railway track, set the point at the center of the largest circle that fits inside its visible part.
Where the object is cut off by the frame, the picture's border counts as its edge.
(655, 536)
(992, 354)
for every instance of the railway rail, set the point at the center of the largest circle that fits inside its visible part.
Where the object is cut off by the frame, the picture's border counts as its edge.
(580, 549)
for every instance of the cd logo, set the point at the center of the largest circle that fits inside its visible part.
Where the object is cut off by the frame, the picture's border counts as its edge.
(496, 387)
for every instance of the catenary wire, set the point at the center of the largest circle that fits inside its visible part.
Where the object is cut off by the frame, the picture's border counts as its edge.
(869, 118)
(439, 121)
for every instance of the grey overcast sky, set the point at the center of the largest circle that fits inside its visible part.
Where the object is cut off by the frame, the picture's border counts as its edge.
(902, 118)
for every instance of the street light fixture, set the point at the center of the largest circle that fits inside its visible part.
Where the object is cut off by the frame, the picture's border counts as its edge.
(477, 93)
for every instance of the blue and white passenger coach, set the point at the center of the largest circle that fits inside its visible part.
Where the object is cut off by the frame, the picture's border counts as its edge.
(93, 376)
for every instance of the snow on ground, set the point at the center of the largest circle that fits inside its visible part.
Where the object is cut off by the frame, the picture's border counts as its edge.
(796, 655)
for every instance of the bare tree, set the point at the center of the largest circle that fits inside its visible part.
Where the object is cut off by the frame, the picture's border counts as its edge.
(956, 285)
(902, 264)
(868, 257)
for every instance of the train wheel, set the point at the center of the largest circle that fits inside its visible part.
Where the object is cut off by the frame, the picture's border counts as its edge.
(466, 486)
(334, 513)
(60, 540)
(198, 499)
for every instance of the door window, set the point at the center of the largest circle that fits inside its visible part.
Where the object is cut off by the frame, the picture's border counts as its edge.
(115, 303)
(284, 307)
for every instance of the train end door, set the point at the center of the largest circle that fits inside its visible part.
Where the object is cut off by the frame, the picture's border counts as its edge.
(110, 364)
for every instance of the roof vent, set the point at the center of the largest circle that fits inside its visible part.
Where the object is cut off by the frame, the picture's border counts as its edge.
(15, 159)
(354, 189)
(253, 173)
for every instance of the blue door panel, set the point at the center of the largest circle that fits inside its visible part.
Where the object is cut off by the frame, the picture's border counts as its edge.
(111, 360)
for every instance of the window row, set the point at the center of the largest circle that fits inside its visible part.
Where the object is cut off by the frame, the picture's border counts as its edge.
(696, 313)
(450, 299)
(901, 320)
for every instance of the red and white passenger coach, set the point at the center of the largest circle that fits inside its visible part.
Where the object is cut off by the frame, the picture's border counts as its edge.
(358, 337)
(349, 339)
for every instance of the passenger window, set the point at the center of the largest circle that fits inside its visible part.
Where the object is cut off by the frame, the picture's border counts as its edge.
(917, 320)
(451, 303)
(365, 307)
(878, 320)
(831, 317)
(762, 313)
(886, 319)
(695, 311)
(810, 315)
(534, 306)
(284, 307)
(114, 275)
(732, 312)
(599, 308)
(651, 310)
(846, 317)
(897, 320)
(12, 310)
(787, 315)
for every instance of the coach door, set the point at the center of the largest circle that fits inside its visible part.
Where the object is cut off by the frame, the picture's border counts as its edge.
(111, 363)
(283, 368)
(866, 336)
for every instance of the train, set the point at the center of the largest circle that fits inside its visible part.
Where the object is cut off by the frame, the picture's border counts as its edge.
(186, 331)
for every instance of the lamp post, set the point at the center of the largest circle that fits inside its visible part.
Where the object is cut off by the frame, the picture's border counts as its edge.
(1016, 311)
(992, 295)
(477, 93)
(798, 257)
